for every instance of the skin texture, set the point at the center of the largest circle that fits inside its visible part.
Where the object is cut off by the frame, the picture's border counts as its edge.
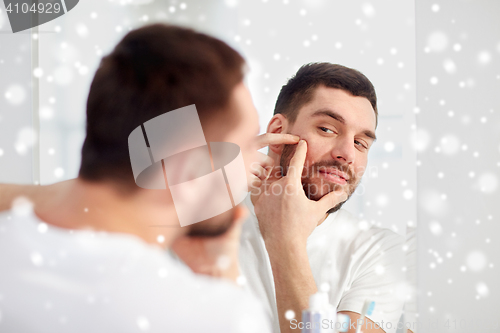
(287, 218)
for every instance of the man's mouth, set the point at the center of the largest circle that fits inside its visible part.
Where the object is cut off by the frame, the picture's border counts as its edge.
(334, 176)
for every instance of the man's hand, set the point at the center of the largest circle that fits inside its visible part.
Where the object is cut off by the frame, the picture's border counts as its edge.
(260, 170)
(214, 256)
(286, 219)
(286, 216)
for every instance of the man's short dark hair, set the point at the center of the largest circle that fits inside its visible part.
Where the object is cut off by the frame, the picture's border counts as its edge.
(300, 88)
(152, 70)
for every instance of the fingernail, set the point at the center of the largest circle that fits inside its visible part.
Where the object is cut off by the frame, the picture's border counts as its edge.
(301, 142)
(296, 137)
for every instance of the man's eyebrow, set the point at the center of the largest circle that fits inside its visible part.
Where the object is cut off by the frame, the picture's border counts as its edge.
(340, 119)
(330, 113)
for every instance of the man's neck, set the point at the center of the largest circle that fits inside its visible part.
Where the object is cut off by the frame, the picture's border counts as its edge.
(146, 214)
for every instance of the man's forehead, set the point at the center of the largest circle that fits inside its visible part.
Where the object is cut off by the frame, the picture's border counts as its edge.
(342, 102)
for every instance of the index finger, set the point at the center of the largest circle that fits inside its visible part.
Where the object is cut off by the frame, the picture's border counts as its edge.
(297, 162)
(267, 139)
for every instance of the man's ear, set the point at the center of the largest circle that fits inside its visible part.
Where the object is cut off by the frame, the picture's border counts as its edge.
(277, 124)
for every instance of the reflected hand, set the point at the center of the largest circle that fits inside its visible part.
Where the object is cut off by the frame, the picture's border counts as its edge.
(286, 216)
(262, 168)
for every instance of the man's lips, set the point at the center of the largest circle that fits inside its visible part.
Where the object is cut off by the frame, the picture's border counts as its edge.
(336, 172)
(334, 175)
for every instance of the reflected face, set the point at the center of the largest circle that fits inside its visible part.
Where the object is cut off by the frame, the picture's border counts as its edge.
(339, 129)
(243, 133)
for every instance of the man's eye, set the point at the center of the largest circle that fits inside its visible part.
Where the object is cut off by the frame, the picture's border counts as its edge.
(324, 129)
(359, 143)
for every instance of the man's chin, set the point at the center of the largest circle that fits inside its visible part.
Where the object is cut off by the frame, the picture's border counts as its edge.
(316, 191)
(212, 227)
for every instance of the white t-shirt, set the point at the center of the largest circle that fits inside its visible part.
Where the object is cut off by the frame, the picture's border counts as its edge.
(355, 261)
(57, 280)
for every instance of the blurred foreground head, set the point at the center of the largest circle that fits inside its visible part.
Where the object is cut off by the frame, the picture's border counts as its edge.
(153, 70)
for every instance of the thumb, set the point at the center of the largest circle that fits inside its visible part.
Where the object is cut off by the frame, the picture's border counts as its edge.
(332, 199)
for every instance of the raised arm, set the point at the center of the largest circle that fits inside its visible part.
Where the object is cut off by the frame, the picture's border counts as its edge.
(286, 219)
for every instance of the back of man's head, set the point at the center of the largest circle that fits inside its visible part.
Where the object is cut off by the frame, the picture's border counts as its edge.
(153, 70)
(300, 88)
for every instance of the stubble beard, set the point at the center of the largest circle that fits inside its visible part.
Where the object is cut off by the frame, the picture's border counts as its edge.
(315, 186)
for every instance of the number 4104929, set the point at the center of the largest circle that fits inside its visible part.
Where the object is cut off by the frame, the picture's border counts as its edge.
(47, 8)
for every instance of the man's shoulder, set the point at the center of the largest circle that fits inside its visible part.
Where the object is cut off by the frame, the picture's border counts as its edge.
(121, 269)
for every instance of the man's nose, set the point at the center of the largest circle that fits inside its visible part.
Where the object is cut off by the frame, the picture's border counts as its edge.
(344, 150)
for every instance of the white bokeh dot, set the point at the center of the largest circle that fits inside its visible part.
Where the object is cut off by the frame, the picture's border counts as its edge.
(389, 146)
(420, 139)
(430, 200)
(437, 41)
(484, 57)
(231, 3)
(27, 136)
(162, 272)
(82, 30)
(488, 182)
(15, 94)
(379, 270)
(143, 323)
(482, 289)
(476, 261)
(449, 66)
(59, 172)
(38, 72)
(22, 206)
(363, 225)
(36, 259)
(368, 10)
(46, 112)
(435, 228)
(382, 200)
(241, 280)
(83, 70)
(450, 144)
(408, 194)
(289, 314)
(42, 227)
